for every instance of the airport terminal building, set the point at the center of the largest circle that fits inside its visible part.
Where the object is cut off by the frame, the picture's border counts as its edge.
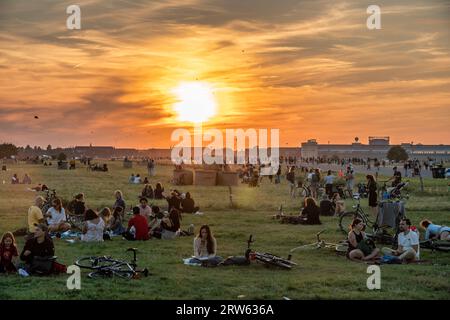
(377, 147)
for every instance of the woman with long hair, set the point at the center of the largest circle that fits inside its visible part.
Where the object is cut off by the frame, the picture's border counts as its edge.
(359, 248)
(159, 190)
(205, 247)
(310, 213)
(9, 255)
(56, 217)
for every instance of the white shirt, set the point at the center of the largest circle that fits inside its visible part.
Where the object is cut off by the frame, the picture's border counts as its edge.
(137, 180)
(57, 217)
(329, 179)
(94, 231)
(409, 240)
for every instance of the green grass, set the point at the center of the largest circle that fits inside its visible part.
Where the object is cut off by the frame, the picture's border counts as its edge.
(319, 274)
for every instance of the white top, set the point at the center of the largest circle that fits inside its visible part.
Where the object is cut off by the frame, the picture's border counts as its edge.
(94, 231)
(137, 180)
(57, 217)
(329, 179)
(408, 241)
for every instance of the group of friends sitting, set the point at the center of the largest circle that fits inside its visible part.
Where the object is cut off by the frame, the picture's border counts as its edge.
(362, 248)
(26, 179)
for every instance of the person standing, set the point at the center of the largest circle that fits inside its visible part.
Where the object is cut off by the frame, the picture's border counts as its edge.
(372, 190)
(329, 180)
(290, 177)
(350, 180)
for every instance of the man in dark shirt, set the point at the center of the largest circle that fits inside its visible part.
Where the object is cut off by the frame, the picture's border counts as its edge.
(174, 201)
(188, 204)
(397, 177)
(41, 246)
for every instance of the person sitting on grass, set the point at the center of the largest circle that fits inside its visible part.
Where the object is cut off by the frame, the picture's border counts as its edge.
(9, 255)
(146, 181)
(137, 227)
(359, 247)
(93, 227)
(26, 179)
(56, 217)
(155, 218)
(188, 204)
(119, 200)
(339, 204)
(37, 253)
(434, 231)
(35, 216)
(159, 191)
(310, 213)
(137, 179)
(326, 206)
(205, 247)
(105, 214)
(146, 211)
(115, 223)
(79, 207)
(147, 192)
(169, 226)
(131, 178)
(174, 201)
(15, 179)
(408, 249)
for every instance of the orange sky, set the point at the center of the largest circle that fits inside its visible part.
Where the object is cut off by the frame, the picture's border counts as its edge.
(309, 68)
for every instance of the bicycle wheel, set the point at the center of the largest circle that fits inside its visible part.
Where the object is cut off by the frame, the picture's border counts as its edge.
(272, 260)
(95, 262)
(346, 219)
(101, 274)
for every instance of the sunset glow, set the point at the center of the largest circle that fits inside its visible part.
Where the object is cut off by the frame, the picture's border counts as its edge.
(196, 102)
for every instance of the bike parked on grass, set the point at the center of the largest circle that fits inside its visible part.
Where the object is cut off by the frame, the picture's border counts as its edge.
(107, 267)
(267, 258)
(340, 248)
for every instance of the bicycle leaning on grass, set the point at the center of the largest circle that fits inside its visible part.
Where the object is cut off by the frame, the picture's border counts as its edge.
(107, 267)
(340, 247)
(267, 258)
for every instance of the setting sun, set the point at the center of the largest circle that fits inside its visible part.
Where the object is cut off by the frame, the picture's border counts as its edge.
(195, 101)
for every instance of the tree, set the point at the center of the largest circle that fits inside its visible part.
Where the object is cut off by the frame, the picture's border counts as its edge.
(49, 147)
(62, 157)
(7, 150)
(397, 153)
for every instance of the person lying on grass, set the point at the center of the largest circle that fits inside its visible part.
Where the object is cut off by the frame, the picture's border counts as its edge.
(38, 254)
(359, 247)
(9, 255)
(137, 227)
(205, 247)
(93, 227)
(408, 243)
(56, 217)
(435, 231)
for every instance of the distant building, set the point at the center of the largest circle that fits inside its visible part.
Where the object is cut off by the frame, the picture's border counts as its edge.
(377, 147)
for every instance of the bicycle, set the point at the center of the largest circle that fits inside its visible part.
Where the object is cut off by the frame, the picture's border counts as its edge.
(267, 258)
(436, 245)
(380, 233)
(107, 267)
(340, 247)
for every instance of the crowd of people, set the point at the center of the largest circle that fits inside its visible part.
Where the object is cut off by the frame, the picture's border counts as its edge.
(149, 221)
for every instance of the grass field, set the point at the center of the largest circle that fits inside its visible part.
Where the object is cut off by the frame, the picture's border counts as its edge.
(319, 274)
